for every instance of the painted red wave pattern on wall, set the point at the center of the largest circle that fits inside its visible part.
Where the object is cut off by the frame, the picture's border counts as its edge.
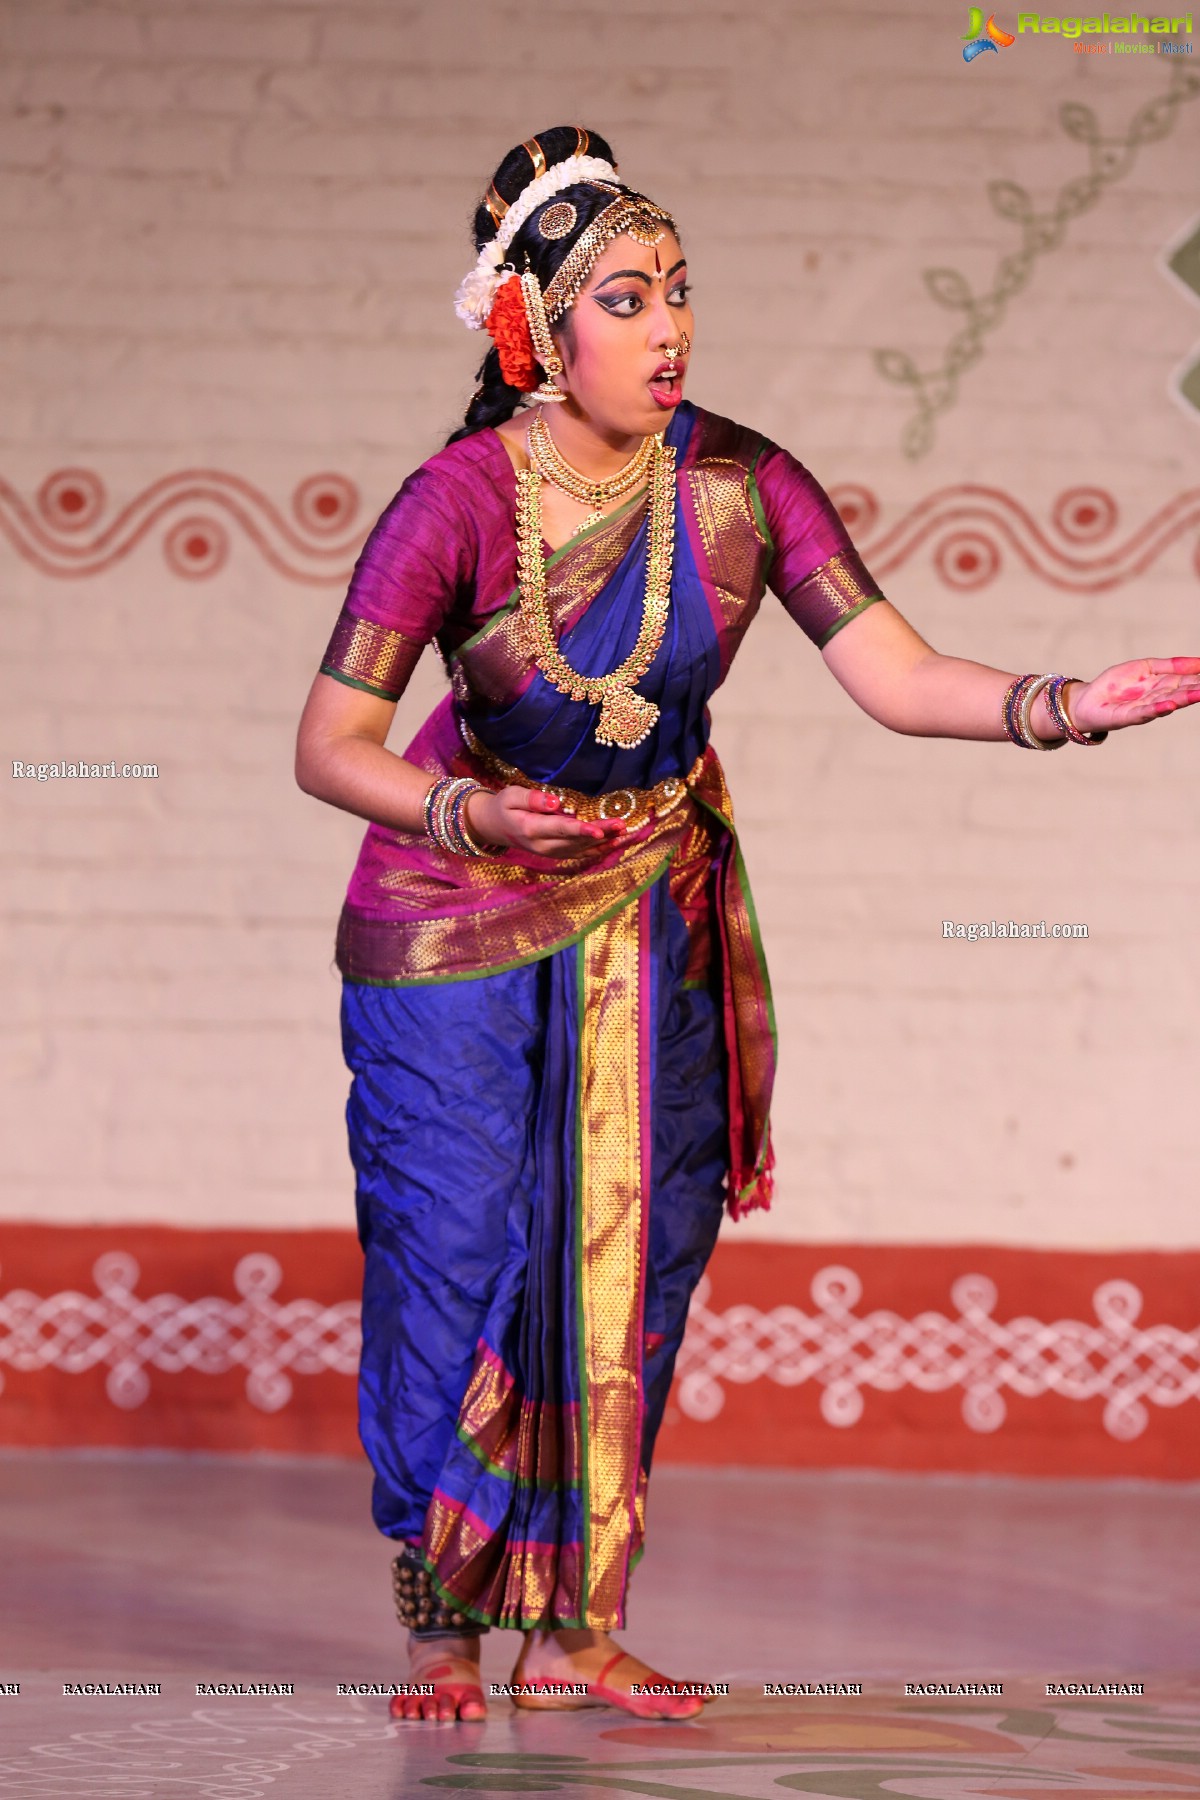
(970, 534)
(70, 529)
(953, 1357)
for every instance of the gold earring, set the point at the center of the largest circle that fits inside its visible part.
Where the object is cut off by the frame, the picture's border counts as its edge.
(548, 392)
(543, 344)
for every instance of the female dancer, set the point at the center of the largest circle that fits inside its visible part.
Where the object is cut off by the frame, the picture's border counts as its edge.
(555, 1006)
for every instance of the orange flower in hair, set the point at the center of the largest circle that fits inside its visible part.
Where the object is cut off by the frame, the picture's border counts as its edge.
(509, 328)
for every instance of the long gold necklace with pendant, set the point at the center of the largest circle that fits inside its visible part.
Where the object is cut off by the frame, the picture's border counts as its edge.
(625, 717)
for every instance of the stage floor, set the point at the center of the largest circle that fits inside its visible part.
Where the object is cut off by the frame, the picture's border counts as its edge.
(188, 1570)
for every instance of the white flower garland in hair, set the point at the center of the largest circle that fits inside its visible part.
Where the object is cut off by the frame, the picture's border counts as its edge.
(477, 291)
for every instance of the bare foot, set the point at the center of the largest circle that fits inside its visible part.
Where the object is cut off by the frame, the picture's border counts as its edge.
(574, 1656)
(452, 1665)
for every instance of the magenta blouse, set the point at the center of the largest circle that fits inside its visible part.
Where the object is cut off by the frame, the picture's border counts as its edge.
(441, 560)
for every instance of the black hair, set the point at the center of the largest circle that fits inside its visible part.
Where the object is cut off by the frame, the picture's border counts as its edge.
(494, 400)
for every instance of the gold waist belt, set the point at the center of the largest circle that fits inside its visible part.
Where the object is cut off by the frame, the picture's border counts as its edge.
(632, 804)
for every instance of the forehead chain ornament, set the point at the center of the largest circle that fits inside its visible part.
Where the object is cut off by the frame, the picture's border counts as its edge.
(628, 214)
(645, 222)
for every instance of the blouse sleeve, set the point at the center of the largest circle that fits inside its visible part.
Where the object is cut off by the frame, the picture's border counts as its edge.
(814, 569)
(418, 557)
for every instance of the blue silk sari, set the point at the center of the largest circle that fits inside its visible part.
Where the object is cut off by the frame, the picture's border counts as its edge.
(561, 1075)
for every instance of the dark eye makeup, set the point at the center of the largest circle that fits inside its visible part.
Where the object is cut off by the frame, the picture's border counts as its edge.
(682, 290)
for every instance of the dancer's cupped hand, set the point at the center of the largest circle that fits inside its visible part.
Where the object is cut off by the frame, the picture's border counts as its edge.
(540, 824)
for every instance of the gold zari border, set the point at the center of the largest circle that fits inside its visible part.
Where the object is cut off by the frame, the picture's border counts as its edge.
(536, 1583)
(372, 654)
(427, 929)
(524, 1440)
(609, 1251)
(733, 545)
(823, 599)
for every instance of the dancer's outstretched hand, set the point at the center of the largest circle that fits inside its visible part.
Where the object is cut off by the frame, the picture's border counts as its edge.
(1133, 693)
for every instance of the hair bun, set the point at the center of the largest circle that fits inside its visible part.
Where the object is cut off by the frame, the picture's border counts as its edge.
(522, 166)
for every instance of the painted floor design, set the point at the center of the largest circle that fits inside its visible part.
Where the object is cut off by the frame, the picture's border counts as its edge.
(182, 1570)
(1021, 1747)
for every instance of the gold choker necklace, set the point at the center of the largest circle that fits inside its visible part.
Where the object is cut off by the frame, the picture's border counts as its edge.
(554, 467)
(625, 717)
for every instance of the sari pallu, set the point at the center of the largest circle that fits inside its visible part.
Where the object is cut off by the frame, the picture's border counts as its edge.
(537, 1514)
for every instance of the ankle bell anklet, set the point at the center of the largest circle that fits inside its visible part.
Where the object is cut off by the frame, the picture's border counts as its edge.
(419, 1607)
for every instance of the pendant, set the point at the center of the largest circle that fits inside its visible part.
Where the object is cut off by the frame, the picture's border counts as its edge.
(625, 718)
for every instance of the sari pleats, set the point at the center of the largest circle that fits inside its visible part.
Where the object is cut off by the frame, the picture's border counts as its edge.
(539, 1507)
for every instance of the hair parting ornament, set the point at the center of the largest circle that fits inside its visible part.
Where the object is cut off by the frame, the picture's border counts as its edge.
(509, 303)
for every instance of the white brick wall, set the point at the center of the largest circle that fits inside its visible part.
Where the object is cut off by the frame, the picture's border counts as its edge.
(231, 236)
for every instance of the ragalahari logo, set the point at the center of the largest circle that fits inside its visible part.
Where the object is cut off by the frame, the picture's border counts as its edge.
(992, 37)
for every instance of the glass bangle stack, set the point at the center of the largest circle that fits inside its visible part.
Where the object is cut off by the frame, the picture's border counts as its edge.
(1018, 702)
(446, 817)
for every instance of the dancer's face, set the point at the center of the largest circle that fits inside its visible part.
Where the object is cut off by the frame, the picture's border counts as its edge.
(633, 307)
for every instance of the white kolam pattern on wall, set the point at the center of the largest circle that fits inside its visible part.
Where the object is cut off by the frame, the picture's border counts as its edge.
(1131, 1366)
